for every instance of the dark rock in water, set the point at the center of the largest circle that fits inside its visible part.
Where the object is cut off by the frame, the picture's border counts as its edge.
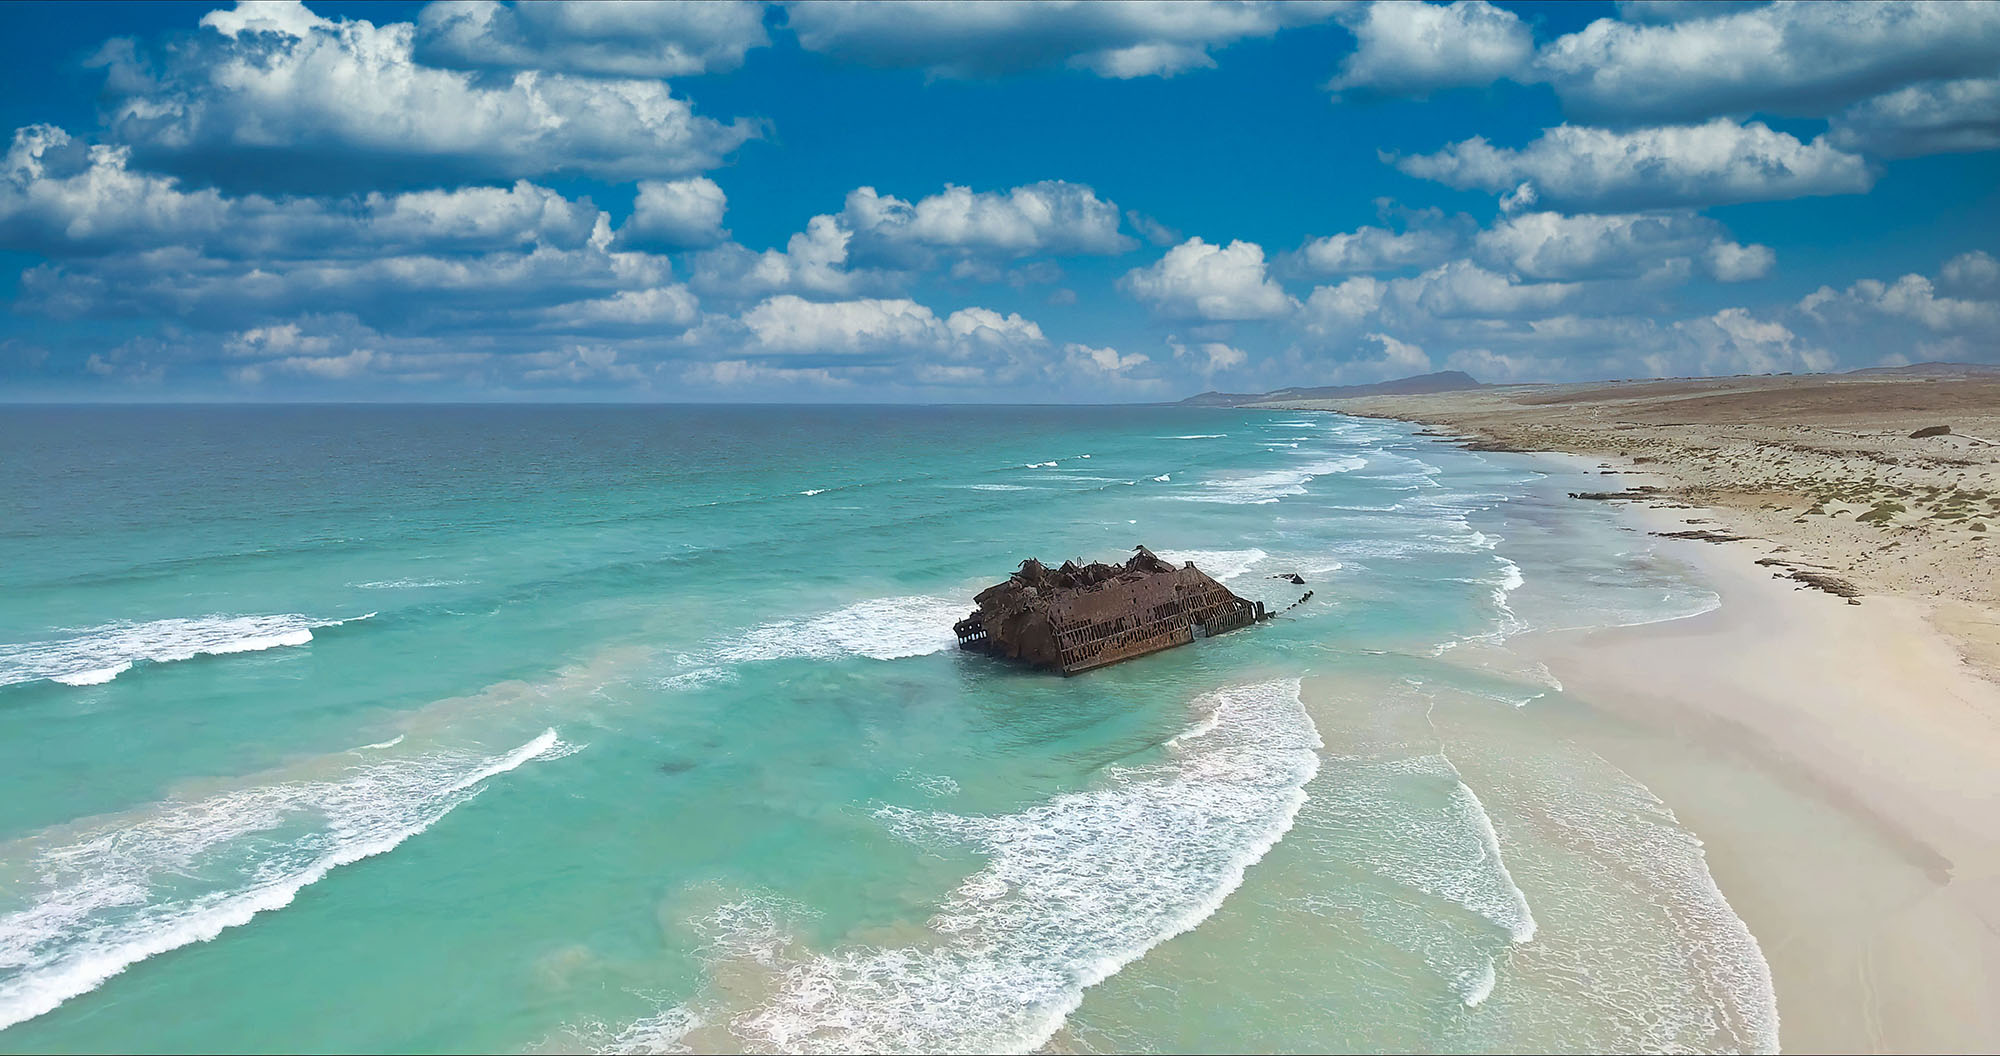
(1702, 535)
(1646, 492)
(1931, 430)
(676, 766)
(1291, 577)
(1834, 585)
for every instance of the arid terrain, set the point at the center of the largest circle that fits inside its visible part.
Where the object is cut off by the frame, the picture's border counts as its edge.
(1820, 471)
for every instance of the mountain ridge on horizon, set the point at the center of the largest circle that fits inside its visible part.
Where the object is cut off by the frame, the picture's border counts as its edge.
(1459, 381)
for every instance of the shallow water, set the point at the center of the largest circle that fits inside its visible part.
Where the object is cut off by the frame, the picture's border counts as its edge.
(636, 728)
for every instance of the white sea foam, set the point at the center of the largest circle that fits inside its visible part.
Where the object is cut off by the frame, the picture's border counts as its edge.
(1270, 486)
(407, 584)
(995, 487)
(1197, 436)
(1454, 856)
(131, 887)
(1038, 465)
(1412, 821)
(1073, 890)
(697, 678)
(935, 785)
(1511, 580)
(1164, 477)
(95, 655)
(1672, 967)
(813, 491)
(882, 628)
(1219, 564)
(661, 1032)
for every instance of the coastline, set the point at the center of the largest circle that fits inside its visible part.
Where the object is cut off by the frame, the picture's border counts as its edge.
(1857, 838)
(1836, 757)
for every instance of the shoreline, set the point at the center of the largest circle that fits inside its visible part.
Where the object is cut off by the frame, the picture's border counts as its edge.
(1837, 758)
(1859, 844)
(1883, 486)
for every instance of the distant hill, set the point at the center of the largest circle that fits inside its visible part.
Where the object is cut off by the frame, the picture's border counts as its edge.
(1442, 381)
(1940, 370)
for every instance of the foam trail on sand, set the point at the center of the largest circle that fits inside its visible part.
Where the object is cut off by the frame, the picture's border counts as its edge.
(1631, 894)
(1393, 809)
(1456, 859)
(133, 886)
(1074, 889)
(96, 655)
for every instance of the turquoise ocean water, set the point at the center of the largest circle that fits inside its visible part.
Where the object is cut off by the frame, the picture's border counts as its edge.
(611, 728)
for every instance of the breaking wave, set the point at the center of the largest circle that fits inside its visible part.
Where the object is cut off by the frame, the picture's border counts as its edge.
(96, 655)
(1632, 894)
(881, 628)
(1260, 488)
(111, 892)
(1413, 823)
(1073, 890)
(1219, 564)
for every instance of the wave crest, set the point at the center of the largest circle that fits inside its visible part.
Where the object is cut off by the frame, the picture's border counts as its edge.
(96, 655)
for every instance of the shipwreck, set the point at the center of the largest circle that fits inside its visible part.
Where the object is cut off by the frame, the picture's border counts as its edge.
(1080, 617)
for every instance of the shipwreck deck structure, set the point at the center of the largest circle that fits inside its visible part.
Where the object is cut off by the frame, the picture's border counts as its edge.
(1079, 617)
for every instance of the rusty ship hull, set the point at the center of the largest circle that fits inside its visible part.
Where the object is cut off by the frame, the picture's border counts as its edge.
(1081, 617)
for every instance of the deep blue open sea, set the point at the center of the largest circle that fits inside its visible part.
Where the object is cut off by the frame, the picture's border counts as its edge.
(643, 728)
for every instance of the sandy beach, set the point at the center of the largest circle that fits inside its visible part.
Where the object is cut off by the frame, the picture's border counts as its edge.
(1830, 731)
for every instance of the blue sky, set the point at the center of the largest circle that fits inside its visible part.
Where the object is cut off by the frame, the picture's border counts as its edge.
(988, 202)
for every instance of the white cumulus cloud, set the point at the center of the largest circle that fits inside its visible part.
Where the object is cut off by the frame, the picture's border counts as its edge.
(1799, 59)
(1047, 217)
(593, 37)
(1418, 48)
(1202, 281)
(1938, 117)
(676, 214)
(997, 37)
(1682, 165)
(1547, 245)
(1974, 272)
(1370, 248)
(276, 98)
